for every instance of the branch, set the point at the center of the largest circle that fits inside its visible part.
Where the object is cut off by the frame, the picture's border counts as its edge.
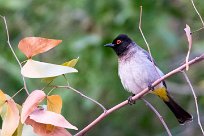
(94, 101)
(196, 102)
(199, 17)
(148, 48)
(9, 44)
(137, 96)
(197, 13)
(158, 115)
(140, 28)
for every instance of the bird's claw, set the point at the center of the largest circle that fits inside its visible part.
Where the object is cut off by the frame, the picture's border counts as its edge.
(150, 87)
(130, 100)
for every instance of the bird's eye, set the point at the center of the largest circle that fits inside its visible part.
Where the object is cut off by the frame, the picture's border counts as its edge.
(118, 41)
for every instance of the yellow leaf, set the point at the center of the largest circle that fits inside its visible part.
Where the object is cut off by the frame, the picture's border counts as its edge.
(71, 63)
(54, 103)
(2, 99)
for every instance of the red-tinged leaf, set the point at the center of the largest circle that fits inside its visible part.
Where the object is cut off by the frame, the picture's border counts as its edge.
(37, 69)
(31, 103)
(10, 118)
(40, 129)
(48, 117)
(19, 129)
(189, 37)
(32, 46)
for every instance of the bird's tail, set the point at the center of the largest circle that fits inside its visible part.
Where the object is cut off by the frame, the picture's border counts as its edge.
(181, 115)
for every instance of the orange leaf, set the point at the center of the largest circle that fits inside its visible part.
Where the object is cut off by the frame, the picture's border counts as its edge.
(32, 46)
(10, 118)
(48, 117)
(31, 103)
(54, 103)
(41, 130)
(2, 99)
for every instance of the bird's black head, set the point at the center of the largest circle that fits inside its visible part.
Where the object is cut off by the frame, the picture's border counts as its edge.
(120, 44)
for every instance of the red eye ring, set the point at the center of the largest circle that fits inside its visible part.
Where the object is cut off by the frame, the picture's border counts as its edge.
(118, 41)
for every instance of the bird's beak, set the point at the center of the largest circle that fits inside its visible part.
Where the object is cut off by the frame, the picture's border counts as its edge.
(109, 45)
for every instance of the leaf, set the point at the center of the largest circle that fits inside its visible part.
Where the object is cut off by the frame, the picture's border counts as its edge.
(19, 129)
(31, 103)
(48, 117)
(10, 119)
(54, 103)
(2, 99)
(37, 69)
(41, 130)
(70, 63)
(189, 37)
(32, 46)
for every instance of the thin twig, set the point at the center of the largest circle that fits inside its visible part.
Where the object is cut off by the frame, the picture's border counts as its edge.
(8, 41)
(51, 90)
(158, 115)
(148, 47)
(69, 87)
(147, 103)
(137, 96)
(196, 102)
(104, 109)
(17, 92)
(197, 12)
(197, 30)
(66, 79)
(140, 28)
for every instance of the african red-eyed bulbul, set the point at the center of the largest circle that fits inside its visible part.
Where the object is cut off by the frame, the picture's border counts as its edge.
(138, 71)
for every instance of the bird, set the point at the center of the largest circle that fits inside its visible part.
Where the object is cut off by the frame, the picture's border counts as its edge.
(137, 70)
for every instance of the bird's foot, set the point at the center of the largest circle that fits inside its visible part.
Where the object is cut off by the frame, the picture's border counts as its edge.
(130, 100)
(150, 87)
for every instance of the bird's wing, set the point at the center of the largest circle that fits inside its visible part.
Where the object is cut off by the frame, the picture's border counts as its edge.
(152, 60)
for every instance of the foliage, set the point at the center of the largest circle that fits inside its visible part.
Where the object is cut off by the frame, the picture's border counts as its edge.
(84, 27)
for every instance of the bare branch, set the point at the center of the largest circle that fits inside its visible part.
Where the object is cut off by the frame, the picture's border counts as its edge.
(17, 92)
(137, 96)
(197, 13)
(9, 44)
(69, 87)
(158, 115)
(140, 28)
(148, 48)
(196, 102)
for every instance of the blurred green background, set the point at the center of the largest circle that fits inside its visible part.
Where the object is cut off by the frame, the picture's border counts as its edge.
(85, 26)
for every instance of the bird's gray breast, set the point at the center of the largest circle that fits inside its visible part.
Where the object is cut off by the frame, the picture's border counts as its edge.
(136, 72)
